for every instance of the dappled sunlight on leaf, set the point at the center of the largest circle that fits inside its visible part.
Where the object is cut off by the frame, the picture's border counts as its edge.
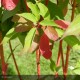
(51, 33)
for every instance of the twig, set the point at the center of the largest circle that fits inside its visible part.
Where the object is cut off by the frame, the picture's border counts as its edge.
(27, 8)
(11, 54)
(73, 9)
(59, 57)
(68, 47)
(58, 60)
(14, 60)
(3, 64)
(67, 60)
(38, 62)
(46, 2)
(62, 57)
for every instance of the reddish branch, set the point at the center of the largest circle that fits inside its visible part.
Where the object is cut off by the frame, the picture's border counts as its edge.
(73, 9)
(14, 61)
(27, 8)
(59, 56)
(58, 59)
(46, 2)
(38, 62)
(68, 47)
(62, 57)
(67, 60)
(3, 64)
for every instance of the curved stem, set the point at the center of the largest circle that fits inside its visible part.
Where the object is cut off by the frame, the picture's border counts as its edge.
(38, 62)
(3, 64)
(60, 56)
(14, 60)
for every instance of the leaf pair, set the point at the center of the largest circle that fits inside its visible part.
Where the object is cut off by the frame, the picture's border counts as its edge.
(38, 10)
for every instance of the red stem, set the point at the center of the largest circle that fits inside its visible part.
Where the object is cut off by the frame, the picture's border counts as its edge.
(58, 60)
(27, 8)
(14, 61)
(38, 62)
(68, 47)
(58, 63)
(59, 57)
(3, 64)
(46, 2)
(67, 59)
(73, 9)
(62, 57)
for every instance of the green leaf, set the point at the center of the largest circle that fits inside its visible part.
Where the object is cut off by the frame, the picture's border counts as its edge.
(21, 37)
(8, 14)
(72, 40)
(59, 31)
(78, 1)
(55, 10)
(6, 26)
(29, 39)
(63, 4)
(44, 11)
(34, 8)
(48, 23)
(74, 28)
(78, 7)
(77, 71)
(52, 65)
(77, 76)
(29, 16)
(8, 36)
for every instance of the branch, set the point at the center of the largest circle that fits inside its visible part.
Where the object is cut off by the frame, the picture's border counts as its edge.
(3, 64)
(46, 2)
(11, 54)
(14, 60)
(73, 9)
(68, 47)
(60, 56)
(27, 8)
(38, 62)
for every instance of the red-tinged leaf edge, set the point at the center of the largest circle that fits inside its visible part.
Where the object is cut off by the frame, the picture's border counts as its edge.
(62, 24)
(51, 33)
(44, 47)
